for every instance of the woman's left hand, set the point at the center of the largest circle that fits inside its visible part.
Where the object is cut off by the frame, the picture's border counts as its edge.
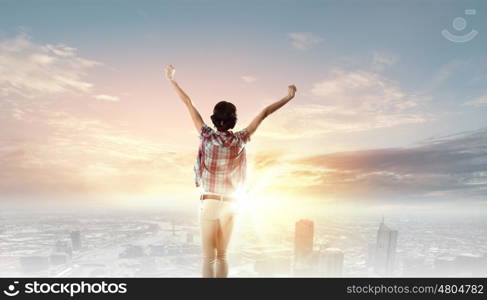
(291, 91)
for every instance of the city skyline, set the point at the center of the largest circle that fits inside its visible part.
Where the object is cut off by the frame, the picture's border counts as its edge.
(157, 244)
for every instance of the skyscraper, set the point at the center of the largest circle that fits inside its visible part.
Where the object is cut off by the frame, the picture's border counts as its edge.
(385, 250)
(34, 263)
(189, 238)
(76, 240)
(63, 247)
(303, 242)
(331, 262)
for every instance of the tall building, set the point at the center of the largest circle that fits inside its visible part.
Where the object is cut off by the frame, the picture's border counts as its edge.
(58, 259)
(303, 242)
(34, 263)
(63, 247)
(189, 238)
(331, 262)
(173, 224)
(370, 255)
(444, 266)
(385, 250)
(76, 240)
(468, 265)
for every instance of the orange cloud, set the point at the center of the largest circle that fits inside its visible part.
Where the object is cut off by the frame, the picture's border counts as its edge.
(349, 101)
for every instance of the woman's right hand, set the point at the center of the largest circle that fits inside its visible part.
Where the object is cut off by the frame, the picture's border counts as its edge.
(170, 70)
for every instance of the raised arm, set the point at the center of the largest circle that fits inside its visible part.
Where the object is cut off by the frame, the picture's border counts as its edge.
(270, 109)
(195, 115)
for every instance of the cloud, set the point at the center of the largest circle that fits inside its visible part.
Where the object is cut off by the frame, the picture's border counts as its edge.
(61, 50)
(350, 101)
(107, 97)
(84, 156)
(304, 40)
(33, 70)
(53, 147)
(449, 168)
(38, 71)
(248, 79)
(479, 101)
(471, 71)
(381, 60)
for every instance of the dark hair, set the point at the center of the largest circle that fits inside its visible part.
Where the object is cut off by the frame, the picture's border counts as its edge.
(224, 116)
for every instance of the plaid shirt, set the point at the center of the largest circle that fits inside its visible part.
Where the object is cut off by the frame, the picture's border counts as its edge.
(221, 163)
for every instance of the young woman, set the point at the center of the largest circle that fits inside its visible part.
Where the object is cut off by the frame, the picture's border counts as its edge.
(220, 170)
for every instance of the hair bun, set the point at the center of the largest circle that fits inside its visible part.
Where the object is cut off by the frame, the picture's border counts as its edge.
(224, 116)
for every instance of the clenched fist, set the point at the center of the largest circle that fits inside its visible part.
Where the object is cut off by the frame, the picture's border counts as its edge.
(291, 91)
(170, 70)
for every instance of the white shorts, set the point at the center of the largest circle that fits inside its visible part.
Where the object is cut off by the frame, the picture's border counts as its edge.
(211, 209)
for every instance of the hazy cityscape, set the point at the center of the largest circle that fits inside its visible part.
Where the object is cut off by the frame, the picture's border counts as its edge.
(163, 244)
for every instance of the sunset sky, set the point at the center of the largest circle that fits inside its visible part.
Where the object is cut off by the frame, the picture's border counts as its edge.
(387, 111)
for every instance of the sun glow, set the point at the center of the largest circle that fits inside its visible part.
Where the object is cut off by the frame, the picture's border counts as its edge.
(260, 204)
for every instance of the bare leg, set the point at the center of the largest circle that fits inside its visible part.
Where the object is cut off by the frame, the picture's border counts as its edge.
(209, 230)
(224, 232)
